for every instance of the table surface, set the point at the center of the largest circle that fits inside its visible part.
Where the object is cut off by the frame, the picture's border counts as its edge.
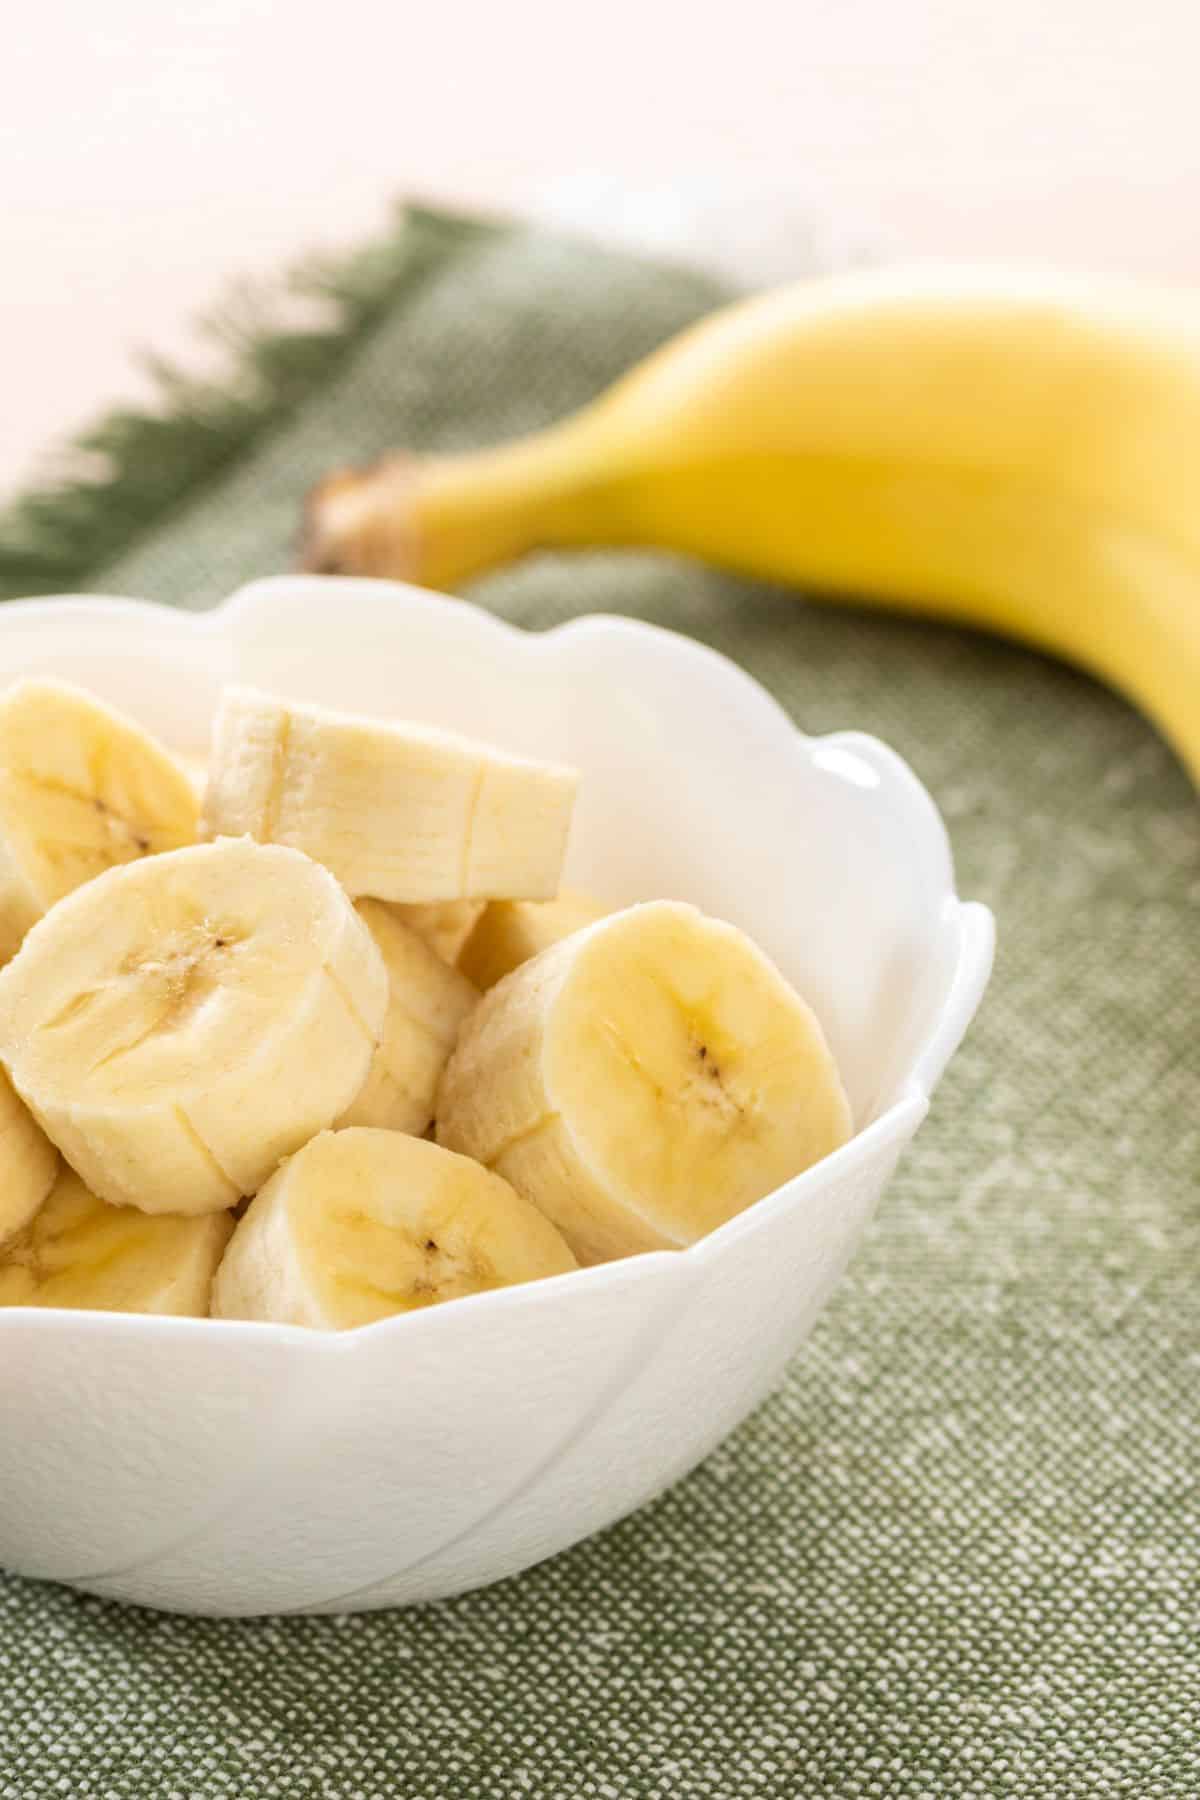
(180, 146)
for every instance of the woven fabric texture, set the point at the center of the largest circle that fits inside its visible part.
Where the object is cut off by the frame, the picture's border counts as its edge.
(958, 1553)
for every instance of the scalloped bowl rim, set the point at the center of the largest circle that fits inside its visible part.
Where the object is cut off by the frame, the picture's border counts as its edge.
(972, 968)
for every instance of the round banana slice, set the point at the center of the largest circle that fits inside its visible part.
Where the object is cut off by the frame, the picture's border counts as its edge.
(363, 1224)
(28, 1163)
(397, 811)
(512, 931)
(427, 1003)
(445, 925)
(178, 1026)
(643, 1081)
(81, 1252)
(82, 788)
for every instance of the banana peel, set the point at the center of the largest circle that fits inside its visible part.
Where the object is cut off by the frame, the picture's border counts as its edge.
(1012, 451)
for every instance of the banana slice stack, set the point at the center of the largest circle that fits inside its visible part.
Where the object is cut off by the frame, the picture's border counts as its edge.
(247, 1070)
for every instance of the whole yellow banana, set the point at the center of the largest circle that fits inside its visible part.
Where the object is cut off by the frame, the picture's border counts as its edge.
(1012, 451)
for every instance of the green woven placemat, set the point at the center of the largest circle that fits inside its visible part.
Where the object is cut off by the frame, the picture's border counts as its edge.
(958, 1554)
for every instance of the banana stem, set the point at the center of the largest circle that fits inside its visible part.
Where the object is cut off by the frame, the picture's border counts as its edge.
(440, 520)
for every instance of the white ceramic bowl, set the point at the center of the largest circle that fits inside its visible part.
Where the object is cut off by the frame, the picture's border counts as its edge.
(235, 1469)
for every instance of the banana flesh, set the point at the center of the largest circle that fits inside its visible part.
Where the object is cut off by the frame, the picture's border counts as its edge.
(361, 1225)
(82, 789)
(28, 1163)
(427, 1003)
(80, 1252)
(642, 1081)
(196, 770)
(397, 812)
(219, 1029)
(445, 925)
(511, 931)
(180, 1024)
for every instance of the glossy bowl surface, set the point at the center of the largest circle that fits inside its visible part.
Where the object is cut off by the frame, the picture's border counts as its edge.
(239, 1469)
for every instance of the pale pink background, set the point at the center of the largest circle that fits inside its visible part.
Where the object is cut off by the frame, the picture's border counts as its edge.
(150, 149)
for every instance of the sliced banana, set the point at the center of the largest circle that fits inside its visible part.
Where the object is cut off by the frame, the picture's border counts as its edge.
(511, 931)
(28, 1163)
(397, 811)
(196, 770)
(427, 1003)
(178, 1026)
(363, 1224)
(643, 1080)
(82, 788)
(445, 925)
(81, 1252)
